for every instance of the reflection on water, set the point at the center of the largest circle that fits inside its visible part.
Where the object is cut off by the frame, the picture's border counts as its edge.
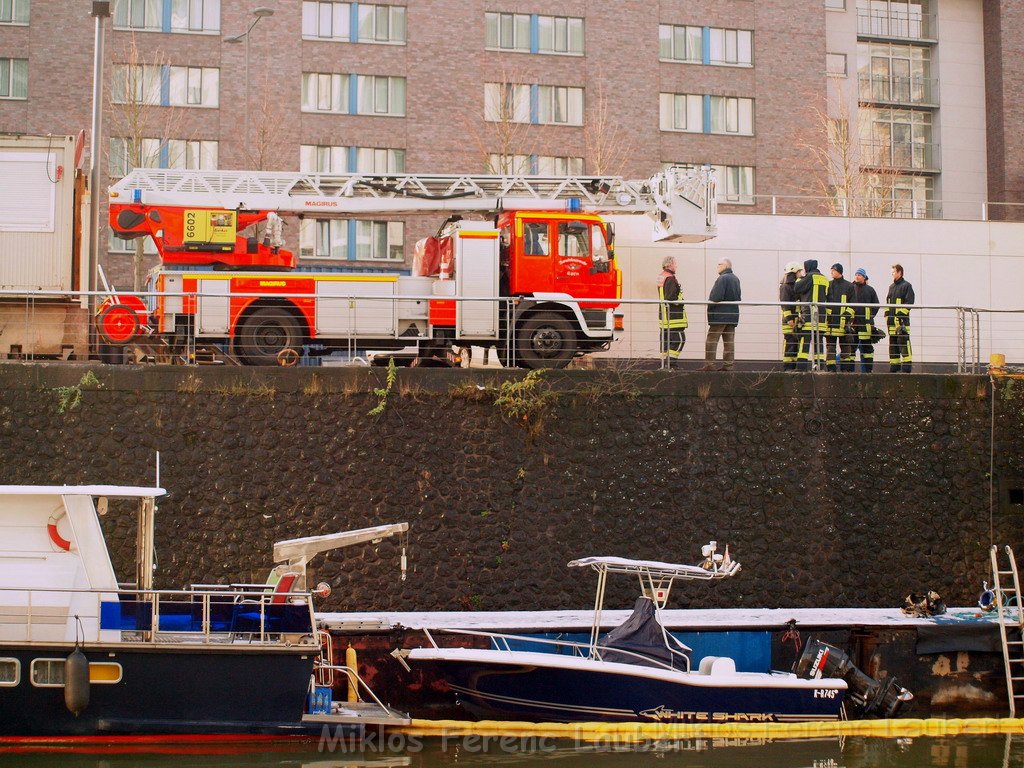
(840, 752)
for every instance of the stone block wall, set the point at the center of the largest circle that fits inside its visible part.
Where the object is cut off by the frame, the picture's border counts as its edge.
(832, 491)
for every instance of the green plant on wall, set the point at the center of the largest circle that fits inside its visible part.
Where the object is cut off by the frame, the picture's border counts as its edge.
(527, 400)
(383, 392)
(69, 398)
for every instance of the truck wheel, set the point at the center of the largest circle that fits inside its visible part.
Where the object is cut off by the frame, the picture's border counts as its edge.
(265, 334)
(546, 340)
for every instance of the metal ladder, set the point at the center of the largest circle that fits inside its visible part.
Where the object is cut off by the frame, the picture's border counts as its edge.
(1013, 649)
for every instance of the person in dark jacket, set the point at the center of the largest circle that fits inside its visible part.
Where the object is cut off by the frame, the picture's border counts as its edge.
(901, 294)
(811, 289)
(864, 320)
(790, 317)
(671, 315)
(839, 341)
(723, 319)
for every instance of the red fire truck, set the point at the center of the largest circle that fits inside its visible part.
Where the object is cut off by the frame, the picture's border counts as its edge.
(533, 275)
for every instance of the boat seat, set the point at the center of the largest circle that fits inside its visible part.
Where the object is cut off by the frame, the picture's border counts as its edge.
(717, 665)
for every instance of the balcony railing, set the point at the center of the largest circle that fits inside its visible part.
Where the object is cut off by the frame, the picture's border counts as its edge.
(899, 91)
(896, 25)
(900, 156)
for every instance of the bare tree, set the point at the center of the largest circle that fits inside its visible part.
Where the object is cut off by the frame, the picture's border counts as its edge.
(853, 177)
(140, 128)
(606, 144)
(267, 142)
(505, 139)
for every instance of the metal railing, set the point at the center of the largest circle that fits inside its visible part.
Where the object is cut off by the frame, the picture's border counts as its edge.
(369, 329)
(892, 24)
(900, 155)
(892, 90)
(207, 616)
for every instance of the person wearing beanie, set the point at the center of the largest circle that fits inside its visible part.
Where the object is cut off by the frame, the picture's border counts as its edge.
(672, 320)
(810, 291)
(863, 327)
(790, 316)
(840, 343)
(897, 317)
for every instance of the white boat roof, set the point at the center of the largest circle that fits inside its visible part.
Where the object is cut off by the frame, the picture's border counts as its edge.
(655, 568)
(110, 491)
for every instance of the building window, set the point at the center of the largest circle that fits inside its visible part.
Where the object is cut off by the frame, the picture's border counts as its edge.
(533, 165)
(47, 673)
(506, 103)
(14, 11)
(324, 92)
(326, 21)
(897, 74)
(380, 95)
(682, 112)
(117, 244)
(730, 114)
(735, 183)
(507, 31)
(13, 78)
(835, 64)
(533, 34)
(373, 160)
(381, 24)
(897, 138)
(559, 105)
(10, 672)
(835, 5)
(319, 158)
(352, 239)
(731, 47)
(559, 34)
(183, 154)
(194, 86)
(380, 240)
(187, 86)
(551, 165)
(196, 16)
(676, 43)
(904, 19)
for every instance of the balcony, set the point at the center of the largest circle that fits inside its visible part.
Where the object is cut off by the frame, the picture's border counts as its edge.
(900, 156)
(876, 24)
(898, 91)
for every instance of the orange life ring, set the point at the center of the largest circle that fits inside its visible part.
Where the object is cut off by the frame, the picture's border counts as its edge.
(51, 528)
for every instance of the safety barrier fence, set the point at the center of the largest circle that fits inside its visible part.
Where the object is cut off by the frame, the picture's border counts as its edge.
(208, 614)
(356, 328)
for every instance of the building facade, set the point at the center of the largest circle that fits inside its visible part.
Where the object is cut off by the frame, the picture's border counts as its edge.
(923, 94)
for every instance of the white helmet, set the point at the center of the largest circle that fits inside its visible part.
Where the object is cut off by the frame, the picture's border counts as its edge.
(793, 266)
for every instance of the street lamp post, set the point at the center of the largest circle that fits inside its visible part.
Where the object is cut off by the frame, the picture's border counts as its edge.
(259, 13)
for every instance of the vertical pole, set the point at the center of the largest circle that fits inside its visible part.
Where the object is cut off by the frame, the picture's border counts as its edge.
(100, 11)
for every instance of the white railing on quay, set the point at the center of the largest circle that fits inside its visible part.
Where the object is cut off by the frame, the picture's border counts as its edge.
(946, 337)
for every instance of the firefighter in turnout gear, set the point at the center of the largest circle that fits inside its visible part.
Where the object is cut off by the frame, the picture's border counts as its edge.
(790, 316)
(864, 320)
(671, 315)
(897, 319)
(839, 341)
(811, 289)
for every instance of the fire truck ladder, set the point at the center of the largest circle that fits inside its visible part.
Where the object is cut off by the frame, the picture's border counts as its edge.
(680, 201)
(1011, 626)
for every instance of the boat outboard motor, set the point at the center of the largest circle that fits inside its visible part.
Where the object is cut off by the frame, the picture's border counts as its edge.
(876, 698)
(76, 682)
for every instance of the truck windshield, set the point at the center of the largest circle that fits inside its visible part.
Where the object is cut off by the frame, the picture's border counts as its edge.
(573, 239)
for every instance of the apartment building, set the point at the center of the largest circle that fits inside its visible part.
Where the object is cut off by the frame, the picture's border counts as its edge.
(927, 91)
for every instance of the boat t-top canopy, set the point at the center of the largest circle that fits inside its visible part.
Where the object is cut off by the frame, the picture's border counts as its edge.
(656, 578)
(656, 570)
(108, 491)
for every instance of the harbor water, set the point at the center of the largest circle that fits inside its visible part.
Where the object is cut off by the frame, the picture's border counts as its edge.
(997, 751)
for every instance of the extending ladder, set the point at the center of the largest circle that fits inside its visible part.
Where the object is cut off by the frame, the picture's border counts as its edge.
(1013, 646)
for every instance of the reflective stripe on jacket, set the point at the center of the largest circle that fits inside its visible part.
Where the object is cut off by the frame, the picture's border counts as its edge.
(900, 292)
(670, 315)
(813, 287)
